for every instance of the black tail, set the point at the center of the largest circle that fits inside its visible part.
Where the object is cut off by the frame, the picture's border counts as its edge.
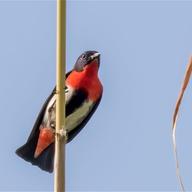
(45, 160)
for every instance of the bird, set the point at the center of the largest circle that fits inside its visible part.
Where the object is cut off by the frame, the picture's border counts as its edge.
(83, 93)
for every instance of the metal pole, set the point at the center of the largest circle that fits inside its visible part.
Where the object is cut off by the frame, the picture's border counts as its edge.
(59, 165)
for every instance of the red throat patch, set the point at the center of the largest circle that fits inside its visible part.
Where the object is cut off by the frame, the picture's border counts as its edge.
(46, 137)
(87, 80)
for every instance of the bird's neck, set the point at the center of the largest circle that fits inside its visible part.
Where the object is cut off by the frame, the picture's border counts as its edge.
(91, 70)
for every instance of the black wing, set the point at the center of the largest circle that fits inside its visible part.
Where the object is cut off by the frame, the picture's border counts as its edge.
(79, 99)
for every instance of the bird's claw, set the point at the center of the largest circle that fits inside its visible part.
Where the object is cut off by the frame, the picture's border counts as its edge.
(62, 133)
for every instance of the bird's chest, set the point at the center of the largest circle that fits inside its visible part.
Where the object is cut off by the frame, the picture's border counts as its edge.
(90, 83)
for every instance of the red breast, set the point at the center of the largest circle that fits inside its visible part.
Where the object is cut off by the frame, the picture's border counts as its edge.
(87, 80)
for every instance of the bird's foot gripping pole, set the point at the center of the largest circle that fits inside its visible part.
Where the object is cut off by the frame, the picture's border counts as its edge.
(62, 133)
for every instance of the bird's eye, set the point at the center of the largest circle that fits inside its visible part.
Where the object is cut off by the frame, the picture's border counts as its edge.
(83, 56)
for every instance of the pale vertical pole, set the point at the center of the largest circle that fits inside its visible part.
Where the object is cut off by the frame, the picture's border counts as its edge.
(59, 165)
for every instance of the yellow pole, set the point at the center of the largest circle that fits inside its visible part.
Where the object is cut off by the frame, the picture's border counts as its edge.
(59, 165)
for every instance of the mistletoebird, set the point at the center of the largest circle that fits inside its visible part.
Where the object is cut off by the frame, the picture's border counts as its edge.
(83, 94)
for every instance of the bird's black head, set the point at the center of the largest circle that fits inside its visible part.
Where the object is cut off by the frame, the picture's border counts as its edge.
(86, 59)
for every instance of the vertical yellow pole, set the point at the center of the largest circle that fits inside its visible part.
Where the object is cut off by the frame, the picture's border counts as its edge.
(59, 165)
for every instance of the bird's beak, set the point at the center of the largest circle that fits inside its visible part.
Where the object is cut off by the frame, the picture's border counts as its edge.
(95, 55)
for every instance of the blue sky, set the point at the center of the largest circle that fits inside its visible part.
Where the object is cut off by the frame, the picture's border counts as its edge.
(144, 48)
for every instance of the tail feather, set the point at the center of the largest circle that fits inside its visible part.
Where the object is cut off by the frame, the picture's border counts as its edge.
(44, 161)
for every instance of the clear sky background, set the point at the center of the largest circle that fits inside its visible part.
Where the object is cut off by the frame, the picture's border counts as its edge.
(144, 48)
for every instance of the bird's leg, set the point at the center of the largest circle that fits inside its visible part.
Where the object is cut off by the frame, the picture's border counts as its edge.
(62, 133)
